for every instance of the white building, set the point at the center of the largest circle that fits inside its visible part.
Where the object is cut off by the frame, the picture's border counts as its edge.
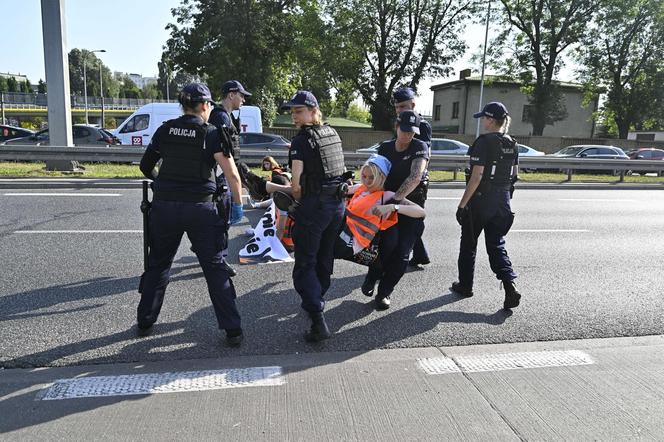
(455, 102)
(646, 135)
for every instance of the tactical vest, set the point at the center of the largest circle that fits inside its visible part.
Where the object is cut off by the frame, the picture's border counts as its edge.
(363, 224)
(183, 153)
(329, 162)
(501, 155)
(230, 133)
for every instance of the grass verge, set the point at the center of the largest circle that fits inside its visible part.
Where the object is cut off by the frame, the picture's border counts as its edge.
(108, 170)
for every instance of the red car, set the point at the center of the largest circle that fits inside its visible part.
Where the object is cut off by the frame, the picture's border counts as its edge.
(646, 154)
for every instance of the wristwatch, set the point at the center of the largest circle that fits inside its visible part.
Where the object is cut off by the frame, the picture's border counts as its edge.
(396, 208)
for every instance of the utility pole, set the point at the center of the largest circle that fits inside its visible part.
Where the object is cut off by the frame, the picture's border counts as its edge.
(486, 38)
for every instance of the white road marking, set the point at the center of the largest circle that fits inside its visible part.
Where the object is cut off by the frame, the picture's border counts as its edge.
(62, 194)
(169, 382)
(505, 361)
(78, 231)
(597, 200)
(548, 230)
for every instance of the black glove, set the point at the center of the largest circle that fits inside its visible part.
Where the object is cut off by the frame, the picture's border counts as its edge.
(461, 214)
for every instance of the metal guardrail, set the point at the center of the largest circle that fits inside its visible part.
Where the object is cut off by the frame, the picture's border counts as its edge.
(126, 154)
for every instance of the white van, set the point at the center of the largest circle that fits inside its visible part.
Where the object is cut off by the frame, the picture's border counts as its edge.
(137, 130)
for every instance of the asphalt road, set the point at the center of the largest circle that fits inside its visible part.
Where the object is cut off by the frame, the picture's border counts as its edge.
(589, 265)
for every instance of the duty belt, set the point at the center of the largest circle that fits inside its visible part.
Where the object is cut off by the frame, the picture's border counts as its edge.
(183, 196)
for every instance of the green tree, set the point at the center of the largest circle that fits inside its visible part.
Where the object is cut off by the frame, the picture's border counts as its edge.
(128, 88)
(92, 67)
(358, 113)
(537, 32)
(3, 85)
(41, 86)
(151, 91)
(385, 44)
(26, 87)
(12, 85)
(623, 54)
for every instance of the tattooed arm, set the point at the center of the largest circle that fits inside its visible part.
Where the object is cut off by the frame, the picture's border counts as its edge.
(410, 183)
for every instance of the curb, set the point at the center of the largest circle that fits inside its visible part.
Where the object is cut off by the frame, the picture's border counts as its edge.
(91, 183)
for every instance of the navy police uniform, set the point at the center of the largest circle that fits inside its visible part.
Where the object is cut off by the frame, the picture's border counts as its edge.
(420, 254)
(490, 209)
(183, 202)
(397, 242)
(319, 215)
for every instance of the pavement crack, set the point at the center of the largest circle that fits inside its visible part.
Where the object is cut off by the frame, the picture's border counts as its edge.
(493, 406)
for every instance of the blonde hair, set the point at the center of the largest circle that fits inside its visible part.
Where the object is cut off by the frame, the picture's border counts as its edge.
(272, 161)
(317, 117)
(379, 176)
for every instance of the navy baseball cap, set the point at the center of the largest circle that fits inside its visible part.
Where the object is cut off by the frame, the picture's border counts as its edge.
(403, 94)
(494, 109)
(409, 121)
(234, 86)
(195, 93)
(301, 98)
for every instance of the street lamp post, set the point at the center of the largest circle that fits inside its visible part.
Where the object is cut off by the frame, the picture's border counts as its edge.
(85, 83)
(101, 89)
(486, 37)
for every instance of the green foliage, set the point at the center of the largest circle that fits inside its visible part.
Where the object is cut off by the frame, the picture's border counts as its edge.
(26, 87)
(3, 85)
(622, 55)
(379, 46)
(358, 113)
(41, 86)
(12, 85)
(93, 68)
(535, 34)
(128, 88)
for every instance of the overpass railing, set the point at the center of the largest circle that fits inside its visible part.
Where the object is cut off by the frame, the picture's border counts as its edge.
(455, 163)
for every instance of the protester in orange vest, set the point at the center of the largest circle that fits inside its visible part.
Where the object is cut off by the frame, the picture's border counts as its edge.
(367, 214)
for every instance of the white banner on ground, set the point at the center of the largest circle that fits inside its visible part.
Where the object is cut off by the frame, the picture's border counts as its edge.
(264, 246)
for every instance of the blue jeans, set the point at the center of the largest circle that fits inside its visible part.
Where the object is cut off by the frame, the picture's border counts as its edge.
(169, 220)
(489, 212)
(318, 220)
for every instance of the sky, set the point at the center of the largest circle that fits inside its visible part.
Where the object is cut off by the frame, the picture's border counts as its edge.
(132, 33)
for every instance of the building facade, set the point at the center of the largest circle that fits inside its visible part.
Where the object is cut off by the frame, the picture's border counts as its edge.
(455, 102)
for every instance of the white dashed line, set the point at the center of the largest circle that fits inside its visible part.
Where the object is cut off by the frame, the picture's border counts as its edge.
(505, 361)
(596, 200)
(62, 194)
(78, 231)
(548, 230)
(170, 382)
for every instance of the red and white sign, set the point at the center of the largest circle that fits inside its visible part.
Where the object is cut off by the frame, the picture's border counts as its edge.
(137, 141)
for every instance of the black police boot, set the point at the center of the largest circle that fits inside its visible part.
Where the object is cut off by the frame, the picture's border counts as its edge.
(462, 290)
(512, 296)
(231, 271)
(418, 262)
(234, 337)
(368, 286)
(383, 302)
(143, 330)
(319, 331)
(255, 184)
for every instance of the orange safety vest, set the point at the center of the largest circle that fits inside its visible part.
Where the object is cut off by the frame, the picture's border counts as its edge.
(287, 239)
(363, 224)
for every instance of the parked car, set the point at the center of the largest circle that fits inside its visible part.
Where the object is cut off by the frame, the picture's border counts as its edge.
(11, 132)
(591, 151)
(646, 154)
(594, 152)
(83, 134)
(439, 146)
(527, 151)
(261, 141)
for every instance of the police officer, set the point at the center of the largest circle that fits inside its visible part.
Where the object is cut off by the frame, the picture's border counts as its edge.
(485, 204)
(408, 157)
(317, 164)
(233, 97)
(404, 99)
(189, 149)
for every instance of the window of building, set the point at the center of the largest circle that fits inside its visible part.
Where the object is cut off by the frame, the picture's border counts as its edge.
(455, 110)
(527, 112)
(436, 113)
